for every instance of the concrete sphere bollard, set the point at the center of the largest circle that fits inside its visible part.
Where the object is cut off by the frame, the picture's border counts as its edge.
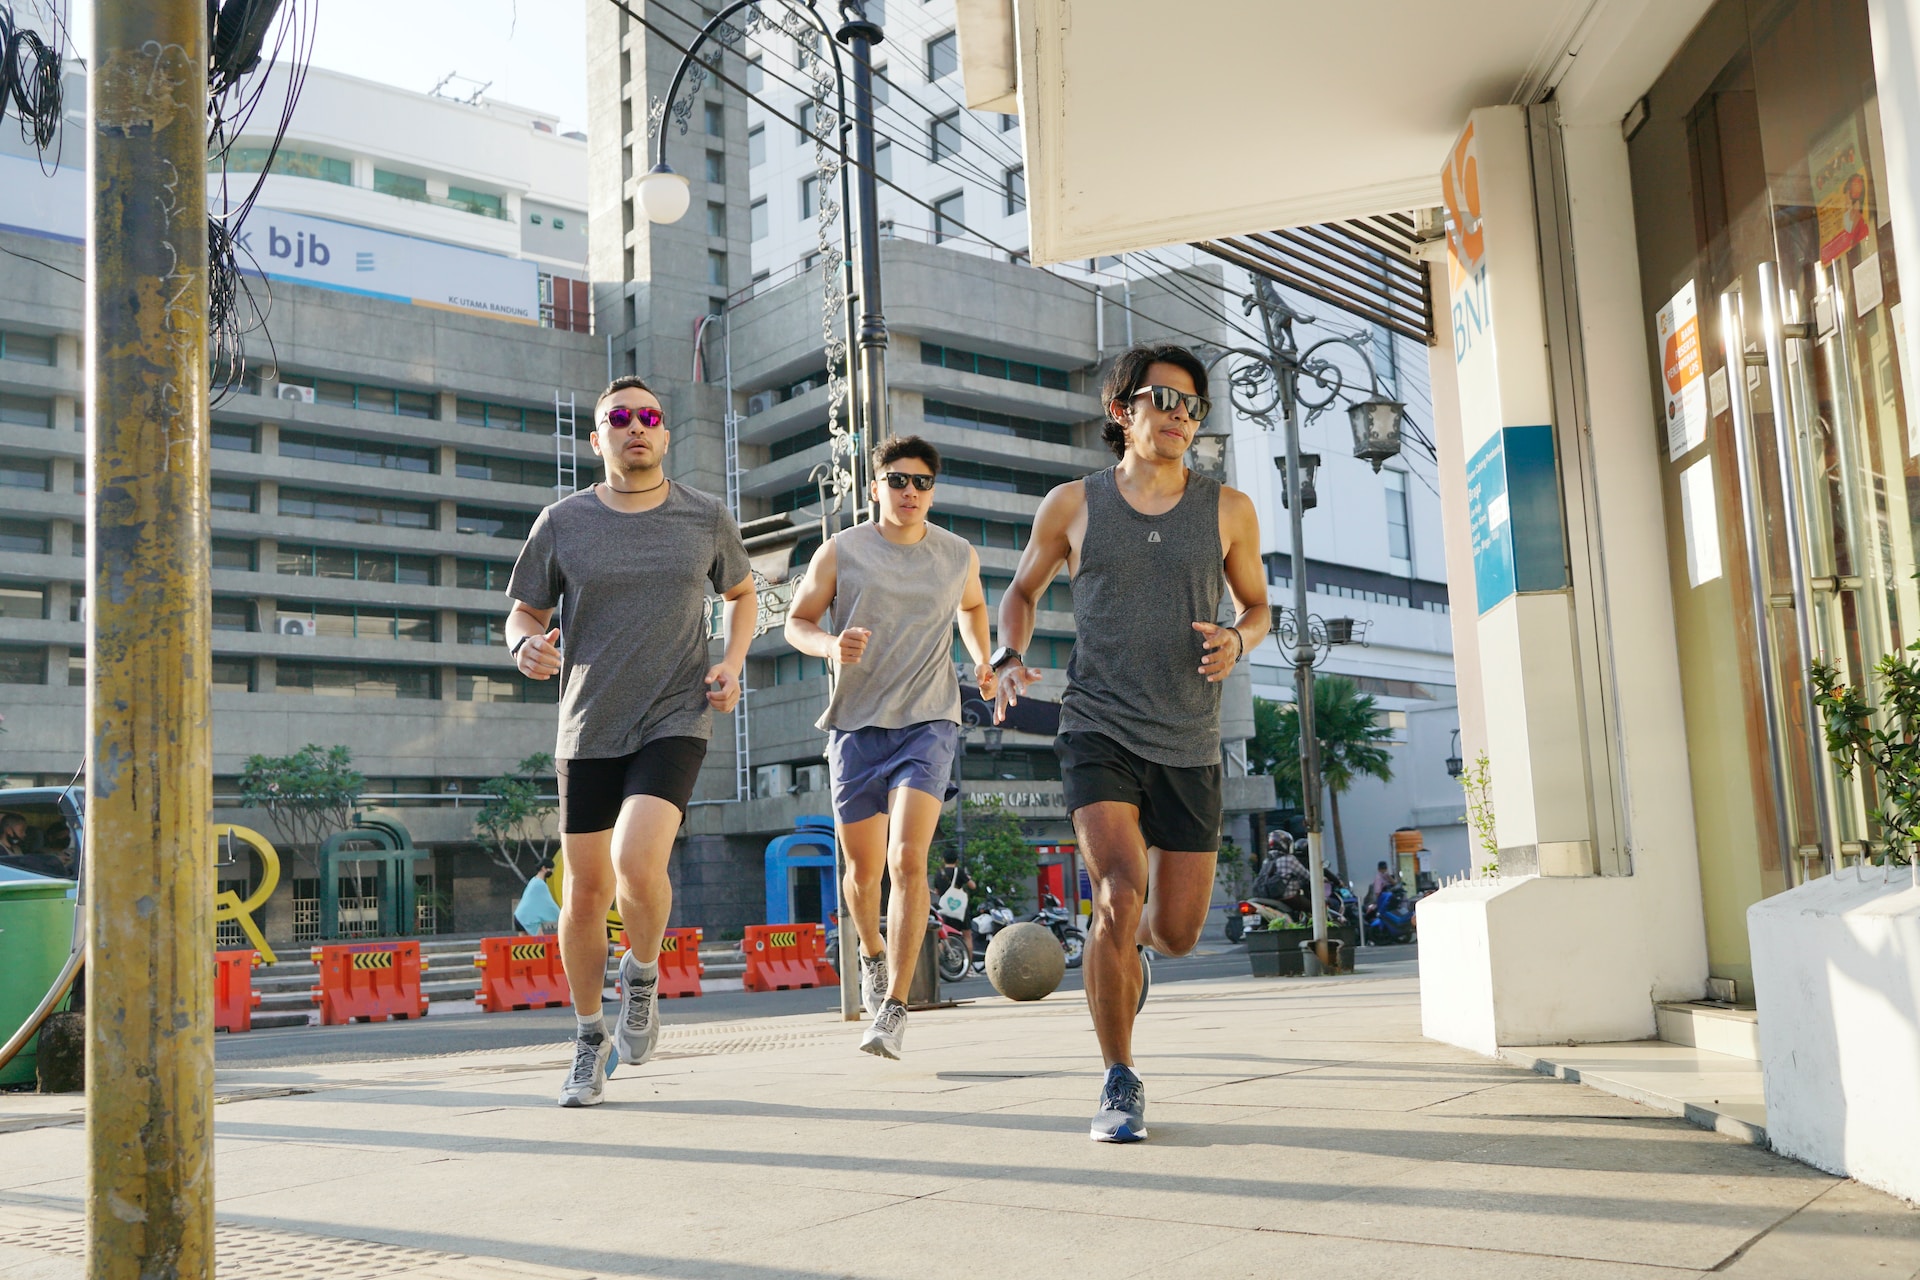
(1025, 962)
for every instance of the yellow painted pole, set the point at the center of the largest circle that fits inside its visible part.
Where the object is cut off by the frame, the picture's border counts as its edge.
(149, 777)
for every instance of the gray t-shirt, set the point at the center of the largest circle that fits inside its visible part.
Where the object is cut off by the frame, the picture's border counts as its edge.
(631, 588)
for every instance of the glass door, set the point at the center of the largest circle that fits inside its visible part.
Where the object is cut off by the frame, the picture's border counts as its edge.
(1787, 158)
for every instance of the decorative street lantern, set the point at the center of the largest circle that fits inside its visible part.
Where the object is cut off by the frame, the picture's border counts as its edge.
(1376, 428)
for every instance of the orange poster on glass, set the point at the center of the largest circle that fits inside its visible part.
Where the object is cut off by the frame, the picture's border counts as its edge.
(1839, 170)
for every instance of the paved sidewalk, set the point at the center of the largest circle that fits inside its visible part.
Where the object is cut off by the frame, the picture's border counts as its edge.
(1299, 1127)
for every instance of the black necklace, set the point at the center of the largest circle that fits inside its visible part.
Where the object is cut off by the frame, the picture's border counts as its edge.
(617, 489)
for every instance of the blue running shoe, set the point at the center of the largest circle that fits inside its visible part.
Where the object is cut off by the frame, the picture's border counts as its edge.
(1123, 1108)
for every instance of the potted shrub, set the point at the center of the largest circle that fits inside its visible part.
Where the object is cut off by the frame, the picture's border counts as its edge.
(1274, 951)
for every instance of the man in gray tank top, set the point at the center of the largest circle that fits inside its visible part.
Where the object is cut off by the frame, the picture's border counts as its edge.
(891, 591)
(1150, 545)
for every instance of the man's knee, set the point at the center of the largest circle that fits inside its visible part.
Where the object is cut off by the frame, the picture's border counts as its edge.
(1118, 902)
(1177, 938)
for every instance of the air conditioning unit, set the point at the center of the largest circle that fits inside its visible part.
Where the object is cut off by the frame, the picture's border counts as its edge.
(810, 777)
(293, 391)
(296, 627)
(759, 402)
(771, 781)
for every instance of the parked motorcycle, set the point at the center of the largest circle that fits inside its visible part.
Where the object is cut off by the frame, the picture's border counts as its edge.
(950, 948)
(1055, 916)
(1390, 919)
(993, 916)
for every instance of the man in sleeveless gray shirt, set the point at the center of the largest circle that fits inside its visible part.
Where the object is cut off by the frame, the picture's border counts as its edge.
(1149, 544)
(894, 589)
(627, 563)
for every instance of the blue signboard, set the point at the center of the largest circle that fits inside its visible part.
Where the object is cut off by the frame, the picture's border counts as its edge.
(1490, 523)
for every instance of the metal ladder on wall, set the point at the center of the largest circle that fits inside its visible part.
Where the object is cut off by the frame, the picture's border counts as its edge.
(566, 459)
(730, 429)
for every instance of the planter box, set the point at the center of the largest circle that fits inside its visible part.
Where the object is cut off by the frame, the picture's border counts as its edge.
(1275, 953)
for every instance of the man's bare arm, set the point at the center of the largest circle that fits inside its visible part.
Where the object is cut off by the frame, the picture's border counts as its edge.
(539, 657)
(1246, 582)
(1050, 546)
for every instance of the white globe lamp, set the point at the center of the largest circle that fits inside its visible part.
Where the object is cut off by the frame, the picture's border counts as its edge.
(664, 194)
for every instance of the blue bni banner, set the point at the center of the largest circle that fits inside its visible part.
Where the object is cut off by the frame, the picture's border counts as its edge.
(380, 264)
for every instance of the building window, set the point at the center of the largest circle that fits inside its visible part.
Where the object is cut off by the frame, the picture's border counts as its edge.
(237, 437)
(484, 203)
(76, 602)
(358, 453)
(233, 613)
(994, 366)
(959, 415)
(717, 167)
(22, 665)
(493, 523)
(236, 495)
(538, 473)
(27, 537)
(809, 196)
(503, 417)
(357, 680)
(403, 185)
(1015, 189)
(353, 565)
(757, 219)
(1399, 533)
(807, 118)
(626, 106)
(1008, 123)
(233, 553)
(756, 76)
(756, 146)
(26, 473)
(504, 686)
(291, 164)
(20, 600)
(949, 217)
(365, 622)
(29, 348)
(483, 575)
(715, 117)
(232, 675)
(883, 161)
(26, 411)
(943, 56)
(369, 399)
(716, 220)
(716, 269)
(315, 504)
(943, 137)
(481, 628)
(882, 91)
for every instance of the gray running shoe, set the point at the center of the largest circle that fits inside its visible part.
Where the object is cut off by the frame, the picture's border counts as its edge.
(873, 983)
(1123, 1108)
(639, 1027)
(1146, 976)
(586, 1084)
(889, 1030)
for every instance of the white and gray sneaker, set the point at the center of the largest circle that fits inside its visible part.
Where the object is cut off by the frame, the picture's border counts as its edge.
(1123, 1108)
(873, 983)
(586, 1084)
(888, 1032)
(638, 1030)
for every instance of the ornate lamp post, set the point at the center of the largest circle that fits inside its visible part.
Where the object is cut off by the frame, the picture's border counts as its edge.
(850, 264)
(1279, 382)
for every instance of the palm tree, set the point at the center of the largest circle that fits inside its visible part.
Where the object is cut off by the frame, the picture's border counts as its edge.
(1351, 746)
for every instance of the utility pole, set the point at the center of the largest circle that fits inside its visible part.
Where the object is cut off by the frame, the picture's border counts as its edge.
(149, 857)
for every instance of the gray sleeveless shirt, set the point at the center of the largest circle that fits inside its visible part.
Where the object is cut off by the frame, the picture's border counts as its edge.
(908, 597)
(1142, 583)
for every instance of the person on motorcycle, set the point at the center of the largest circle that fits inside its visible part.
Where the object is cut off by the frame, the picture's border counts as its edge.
(1282, 876)
(1155, 549)
(1383, 880)
(891, 591)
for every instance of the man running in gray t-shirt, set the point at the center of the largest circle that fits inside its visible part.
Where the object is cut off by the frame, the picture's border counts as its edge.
(628, 564)
(895, 588)
(1150, 545)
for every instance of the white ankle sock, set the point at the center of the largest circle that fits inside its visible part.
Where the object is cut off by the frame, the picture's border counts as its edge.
(585, 1025)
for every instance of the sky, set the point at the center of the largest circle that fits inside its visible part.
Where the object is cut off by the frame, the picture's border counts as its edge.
(532, 51)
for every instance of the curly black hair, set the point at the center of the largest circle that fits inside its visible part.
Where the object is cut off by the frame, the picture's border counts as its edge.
(1129, 374)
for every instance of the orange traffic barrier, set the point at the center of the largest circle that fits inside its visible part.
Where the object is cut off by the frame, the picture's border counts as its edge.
(365, 981)
(520, 973)
(784, 957)
(234, 998)
(680, 967)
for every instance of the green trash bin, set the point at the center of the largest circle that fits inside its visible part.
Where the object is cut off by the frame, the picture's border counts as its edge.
(36, 934)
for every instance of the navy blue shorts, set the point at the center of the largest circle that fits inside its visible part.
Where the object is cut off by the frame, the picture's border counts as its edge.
(868, 764)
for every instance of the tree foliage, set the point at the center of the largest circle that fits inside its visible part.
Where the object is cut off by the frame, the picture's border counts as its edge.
(1352, 745)
(513, 821)
(1886, 739)
(309, 794)
(995, 853)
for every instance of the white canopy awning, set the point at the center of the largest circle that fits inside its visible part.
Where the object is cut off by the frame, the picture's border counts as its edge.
(1149, 123)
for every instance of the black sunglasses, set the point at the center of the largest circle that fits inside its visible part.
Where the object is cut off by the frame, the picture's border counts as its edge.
(901, 479)
(1165, 398)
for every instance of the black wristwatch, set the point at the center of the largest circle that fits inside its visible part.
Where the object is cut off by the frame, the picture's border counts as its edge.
(1002, 656)
(513, 650)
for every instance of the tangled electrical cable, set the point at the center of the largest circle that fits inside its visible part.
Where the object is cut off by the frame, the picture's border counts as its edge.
(30, 81)
(237, 84)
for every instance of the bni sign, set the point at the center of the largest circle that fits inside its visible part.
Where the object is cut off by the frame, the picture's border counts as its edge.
(352, 259)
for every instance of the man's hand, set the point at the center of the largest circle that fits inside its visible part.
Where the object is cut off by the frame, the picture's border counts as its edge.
(723, 687)
(851, 644)
(1223, 646)
(987, 680)
(539, 657)
(1014, 681)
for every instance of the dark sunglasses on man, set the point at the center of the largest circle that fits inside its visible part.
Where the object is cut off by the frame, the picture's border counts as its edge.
(1165, 398)
(623, 417)
(901, 479)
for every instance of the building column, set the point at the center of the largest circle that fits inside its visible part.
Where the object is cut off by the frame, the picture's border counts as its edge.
(1584, 927)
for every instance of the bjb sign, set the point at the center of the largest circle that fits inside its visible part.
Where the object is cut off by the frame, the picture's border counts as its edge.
(380, 264)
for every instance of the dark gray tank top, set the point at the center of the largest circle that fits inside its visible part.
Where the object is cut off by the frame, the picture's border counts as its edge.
(1142, 583)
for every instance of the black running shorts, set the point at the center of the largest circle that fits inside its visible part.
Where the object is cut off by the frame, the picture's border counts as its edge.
(1179, 808)
(592, 791)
